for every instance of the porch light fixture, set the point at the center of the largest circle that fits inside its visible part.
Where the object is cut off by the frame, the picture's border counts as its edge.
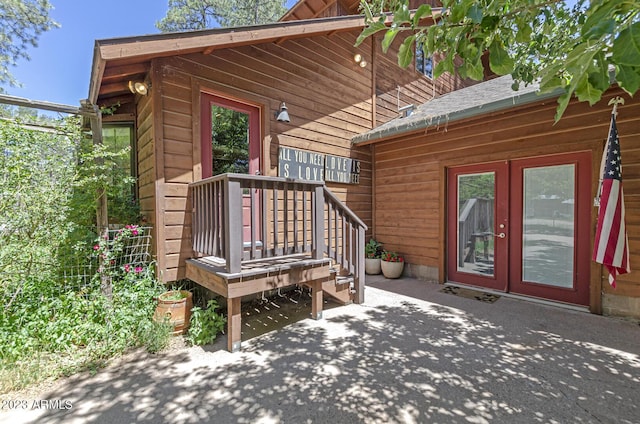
(141, 88)
(359, 60)
(282, 115)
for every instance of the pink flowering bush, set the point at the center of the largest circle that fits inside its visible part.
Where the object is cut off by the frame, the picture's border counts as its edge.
(112, 251)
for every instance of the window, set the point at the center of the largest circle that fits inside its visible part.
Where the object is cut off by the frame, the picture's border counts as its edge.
(424, 64)
(230, 136)
(122, 192)
(118, 137)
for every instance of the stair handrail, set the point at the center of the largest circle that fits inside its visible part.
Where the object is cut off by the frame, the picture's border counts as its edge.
(329, 195)
(348, 252)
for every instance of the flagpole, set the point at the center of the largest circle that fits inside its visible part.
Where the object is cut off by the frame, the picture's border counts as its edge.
(611, 244)
(614, 112)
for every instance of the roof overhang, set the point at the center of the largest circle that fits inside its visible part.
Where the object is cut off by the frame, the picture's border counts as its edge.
(308, 9)
(466, 103)
(133, 54)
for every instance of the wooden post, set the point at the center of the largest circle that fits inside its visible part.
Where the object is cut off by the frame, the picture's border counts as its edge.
(233, 232)
(316, 299)
(318, 223)
(359, 277)
(234, 324)
(102, 215)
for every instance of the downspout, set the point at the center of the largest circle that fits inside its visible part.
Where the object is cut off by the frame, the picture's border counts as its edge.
(372, 147)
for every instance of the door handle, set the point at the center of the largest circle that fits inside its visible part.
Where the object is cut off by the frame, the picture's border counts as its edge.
(501, 235)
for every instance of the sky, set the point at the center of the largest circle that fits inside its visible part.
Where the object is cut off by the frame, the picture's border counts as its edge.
(60, 67)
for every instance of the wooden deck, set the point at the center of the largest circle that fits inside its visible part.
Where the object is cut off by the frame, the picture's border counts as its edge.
(258, 276)
(255, 233)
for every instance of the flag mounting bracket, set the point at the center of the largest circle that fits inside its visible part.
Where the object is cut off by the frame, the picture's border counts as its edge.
(616, 101)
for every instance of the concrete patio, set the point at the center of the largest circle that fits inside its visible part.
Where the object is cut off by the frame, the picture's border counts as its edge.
(423, 356)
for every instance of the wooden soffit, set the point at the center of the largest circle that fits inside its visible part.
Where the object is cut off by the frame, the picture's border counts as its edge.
(118, 60)
(310, 9)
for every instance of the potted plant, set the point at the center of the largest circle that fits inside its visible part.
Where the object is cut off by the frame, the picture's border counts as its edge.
(392, 264)
(174, 307)
(372, 253)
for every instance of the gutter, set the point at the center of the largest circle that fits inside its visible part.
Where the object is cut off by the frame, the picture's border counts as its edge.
(409, 125)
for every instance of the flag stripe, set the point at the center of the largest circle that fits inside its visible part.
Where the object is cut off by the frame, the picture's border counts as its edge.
(607, 219)
(611, 246)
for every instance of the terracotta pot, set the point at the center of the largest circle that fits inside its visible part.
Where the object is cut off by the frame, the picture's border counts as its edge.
(176, 311)
(392, 269)
(372, 266)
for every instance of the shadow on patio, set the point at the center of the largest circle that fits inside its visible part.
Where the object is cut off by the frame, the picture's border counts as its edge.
(394, 359)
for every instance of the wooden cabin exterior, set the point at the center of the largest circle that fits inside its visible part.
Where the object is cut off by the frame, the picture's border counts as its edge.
(402, 190)
(310, 67)
(420, 165)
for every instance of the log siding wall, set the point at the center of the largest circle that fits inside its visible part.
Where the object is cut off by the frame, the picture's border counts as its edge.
(410, 177)
(146, 159)
(328, 95)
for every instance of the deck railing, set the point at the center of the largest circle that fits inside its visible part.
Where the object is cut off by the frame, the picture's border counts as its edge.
(238, 217)
(476, 218)
(345, 239)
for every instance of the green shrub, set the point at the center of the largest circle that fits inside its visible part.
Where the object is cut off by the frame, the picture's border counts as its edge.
(205, 324)
(52, 333)
(154, 336)
(51, 323)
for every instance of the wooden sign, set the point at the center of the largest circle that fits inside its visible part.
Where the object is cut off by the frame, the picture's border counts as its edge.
(310, 166)
(300, 164)
(339, 169)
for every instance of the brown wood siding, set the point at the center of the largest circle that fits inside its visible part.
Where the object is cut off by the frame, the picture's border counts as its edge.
(409, 178)
(146, 159)
(178, 171)
(396, 88)
(329, 100)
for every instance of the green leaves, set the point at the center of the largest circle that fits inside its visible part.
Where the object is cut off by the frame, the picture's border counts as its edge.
(628, 77)
(185, 15)
(388, 39)
(21, 24)
(568, 49)
(423, 11)
(626, 47)
(475, 13)
(599, 19)
(205, 324)
(405, 53)
(369, 30)
(499, 59)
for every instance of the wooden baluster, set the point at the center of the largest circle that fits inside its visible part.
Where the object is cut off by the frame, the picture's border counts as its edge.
(317, 203)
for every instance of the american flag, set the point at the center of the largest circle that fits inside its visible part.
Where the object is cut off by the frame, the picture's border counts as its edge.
(611, 247)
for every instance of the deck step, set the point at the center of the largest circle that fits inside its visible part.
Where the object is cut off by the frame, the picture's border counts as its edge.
(345, 279)
(340, 287)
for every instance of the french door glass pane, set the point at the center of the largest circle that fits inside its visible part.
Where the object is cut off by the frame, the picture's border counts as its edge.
(548, 225)
(476, 194)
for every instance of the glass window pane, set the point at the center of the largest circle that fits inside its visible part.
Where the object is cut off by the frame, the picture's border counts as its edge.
(476, 194)
(229, 141)
(548, 225)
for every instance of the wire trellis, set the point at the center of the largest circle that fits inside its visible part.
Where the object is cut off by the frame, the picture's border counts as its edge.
(81, 273)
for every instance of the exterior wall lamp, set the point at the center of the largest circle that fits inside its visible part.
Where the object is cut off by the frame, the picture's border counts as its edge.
(141, 88)
(281, 114)
(359, 60)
